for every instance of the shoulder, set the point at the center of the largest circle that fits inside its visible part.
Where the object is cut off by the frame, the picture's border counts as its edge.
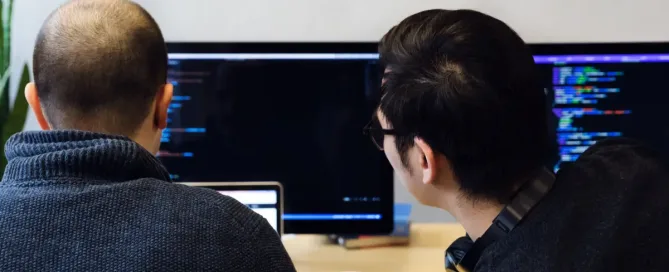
(205, 205)
(221, 228)
(607, 205)
(620, 151)
(618, 159)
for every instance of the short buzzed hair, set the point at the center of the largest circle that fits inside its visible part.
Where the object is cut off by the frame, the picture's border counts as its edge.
(98, 65)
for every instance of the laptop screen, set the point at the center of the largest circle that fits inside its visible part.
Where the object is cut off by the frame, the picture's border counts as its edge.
(263, 202)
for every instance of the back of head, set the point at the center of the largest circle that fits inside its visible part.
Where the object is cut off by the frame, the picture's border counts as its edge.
(98, 65)
(465, 83)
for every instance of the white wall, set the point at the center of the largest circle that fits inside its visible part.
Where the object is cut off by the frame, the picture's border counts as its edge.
(367, 20)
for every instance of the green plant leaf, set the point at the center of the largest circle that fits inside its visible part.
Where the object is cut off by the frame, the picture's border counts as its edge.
(19, 112)
(3, 158)
(4, 99)
(3, 42)
(16, 118)
(4, 115)
(8, 32)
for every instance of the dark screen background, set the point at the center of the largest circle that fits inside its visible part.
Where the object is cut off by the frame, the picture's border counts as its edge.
(298, 122)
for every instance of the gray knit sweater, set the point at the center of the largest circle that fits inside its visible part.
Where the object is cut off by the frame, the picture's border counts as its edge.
(81, 201)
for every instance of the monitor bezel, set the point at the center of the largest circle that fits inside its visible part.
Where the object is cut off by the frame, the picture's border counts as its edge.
(381, 226)
(272, 47)
(598, 48)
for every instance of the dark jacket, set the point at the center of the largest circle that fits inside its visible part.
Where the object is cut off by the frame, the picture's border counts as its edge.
(81, 201)
(609, 211)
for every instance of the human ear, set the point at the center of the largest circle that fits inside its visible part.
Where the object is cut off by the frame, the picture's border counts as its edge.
(30, 93)
(163, 100)
(428, 162)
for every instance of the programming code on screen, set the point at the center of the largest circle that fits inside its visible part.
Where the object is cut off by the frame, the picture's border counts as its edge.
(292, 118)
(601, 96)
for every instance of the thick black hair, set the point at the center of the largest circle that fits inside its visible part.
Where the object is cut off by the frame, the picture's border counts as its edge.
(465, 83)
(98, 65)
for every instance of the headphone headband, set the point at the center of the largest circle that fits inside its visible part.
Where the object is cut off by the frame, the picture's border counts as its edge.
(511, 215)
(526, 198)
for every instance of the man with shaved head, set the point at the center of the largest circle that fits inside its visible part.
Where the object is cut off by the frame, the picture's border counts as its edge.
(87, 193)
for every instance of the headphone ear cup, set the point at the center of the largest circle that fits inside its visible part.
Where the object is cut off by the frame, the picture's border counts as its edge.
(456, 251)
(460, 247)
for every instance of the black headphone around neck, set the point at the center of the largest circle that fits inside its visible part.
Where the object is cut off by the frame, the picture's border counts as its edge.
(463, 254)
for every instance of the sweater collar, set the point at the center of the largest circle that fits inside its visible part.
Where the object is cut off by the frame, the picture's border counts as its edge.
(47, 155)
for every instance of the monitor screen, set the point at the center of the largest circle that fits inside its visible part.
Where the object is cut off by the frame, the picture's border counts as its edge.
(605, 90)
(292, 113)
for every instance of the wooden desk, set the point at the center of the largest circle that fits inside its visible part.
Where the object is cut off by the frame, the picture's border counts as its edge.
(424, 254)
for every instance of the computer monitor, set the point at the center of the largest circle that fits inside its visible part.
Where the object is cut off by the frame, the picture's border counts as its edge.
(606, 90)
(288, 112)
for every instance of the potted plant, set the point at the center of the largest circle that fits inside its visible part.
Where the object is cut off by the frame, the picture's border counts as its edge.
(12, 113)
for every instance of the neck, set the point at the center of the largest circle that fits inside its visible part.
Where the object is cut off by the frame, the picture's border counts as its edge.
(475, 216)
(147, 139)
(146, 144)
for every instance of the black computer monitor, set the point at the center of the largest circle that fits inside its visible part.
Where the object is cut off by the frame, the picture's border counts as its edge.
(287, 112)
(606, 90)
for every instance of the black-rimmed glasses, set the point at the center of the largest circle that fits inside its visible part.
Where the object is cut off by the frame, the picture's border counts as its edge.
(376, 133)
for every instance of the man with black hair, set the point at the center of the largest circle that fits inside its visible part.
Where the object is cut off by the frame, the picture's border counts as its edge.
(463, 120)
(87, 193)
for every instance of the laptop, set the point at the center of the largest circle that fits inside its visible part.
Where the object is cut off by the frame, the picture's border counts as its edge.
(264, 198)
